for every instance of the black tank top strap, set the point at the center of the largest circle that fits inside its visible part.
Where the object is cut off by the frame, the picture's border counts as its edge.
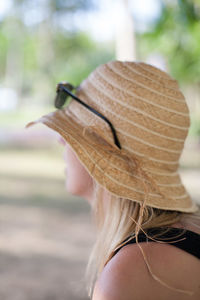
(186, 240)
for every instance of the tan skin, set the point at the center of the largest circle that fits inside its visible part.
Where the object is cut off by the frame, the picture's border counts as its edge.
(126, 276)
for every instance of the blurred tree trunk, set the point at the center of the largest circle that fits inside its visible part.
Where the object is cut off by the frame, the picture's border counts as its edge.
(45, 54)
(14, 58)
(125, 34)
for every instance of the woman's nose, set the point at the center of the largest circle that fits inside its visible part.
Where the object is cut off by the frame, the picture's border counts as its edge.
(61, 140)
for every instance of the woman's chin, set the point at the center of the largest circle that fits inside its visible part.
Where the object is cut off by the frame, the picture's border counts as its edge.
(71, 189)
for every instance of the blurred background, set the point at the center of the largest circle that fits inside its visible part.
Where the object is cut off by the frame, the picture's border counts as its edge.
(45, 234)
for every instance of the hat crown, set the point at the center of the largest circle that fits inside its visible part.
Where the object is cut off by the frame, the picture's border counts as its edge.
(144, 104)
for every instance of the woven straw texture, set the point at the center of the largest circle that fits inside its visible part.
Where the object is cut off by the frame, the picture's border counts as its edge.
(151, 119)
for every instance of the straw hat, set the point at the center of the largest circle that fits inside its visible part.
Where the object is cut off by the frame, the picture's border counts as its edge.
(151, 119)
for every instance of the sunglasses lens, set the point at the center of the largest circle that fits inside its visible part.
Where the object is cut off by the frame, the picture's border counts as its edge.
(60, 99)
(62, 96)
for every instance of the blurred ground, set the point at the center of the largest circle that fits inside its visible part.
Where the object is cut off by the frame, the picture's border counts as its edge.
(43, 253)
(45, 234)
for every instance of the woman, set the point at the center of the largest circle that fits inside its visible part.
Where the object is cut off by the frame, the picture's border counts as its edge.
(124, 130)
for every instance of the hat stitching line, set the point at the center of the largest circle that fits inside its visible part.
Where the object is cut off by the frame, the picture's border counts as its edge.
(102, 157)
(142, 98)
(152, 171)
(140, 72)
(149, 157)
(147, 87)
(133, 137)
(167, 185)
(162, 174)
(135, 108)
(145, 99)
(149, 67)
(144, 155)
(156, 78)
(138, 110)
(110, 162)
(162, 85)
(142, 85)
(148, 130)
(140, 178)
(103, 171)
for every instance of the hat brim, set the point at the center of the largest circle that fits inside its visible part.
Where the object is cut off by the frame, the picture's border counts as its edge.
(113, 172)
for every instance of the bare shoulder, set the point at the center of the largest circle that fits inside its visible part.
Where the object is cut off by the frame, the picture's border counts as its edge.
(115, 281)
(126, 276)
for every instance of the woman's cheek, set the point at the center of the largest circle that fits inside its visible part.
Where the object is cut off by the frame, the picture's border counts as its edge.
(76, 180)
(76, 175)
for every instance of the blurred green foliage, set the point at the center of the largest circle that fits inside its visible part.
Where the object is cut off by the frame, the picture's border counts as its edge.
(40, 46)
(176, 35)
(195, 127)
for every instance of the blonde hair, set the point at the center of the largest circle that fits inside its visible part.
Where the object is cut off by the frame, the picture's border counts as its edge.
(116, 220)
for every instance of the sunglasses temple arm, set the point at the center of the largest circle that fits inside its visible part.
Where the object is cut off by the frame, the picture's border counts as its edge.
(97, 113)
(117, 143)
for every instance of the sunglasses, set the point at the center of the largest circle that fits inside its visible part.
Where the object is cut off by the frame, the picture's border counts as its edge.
(64, 90)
